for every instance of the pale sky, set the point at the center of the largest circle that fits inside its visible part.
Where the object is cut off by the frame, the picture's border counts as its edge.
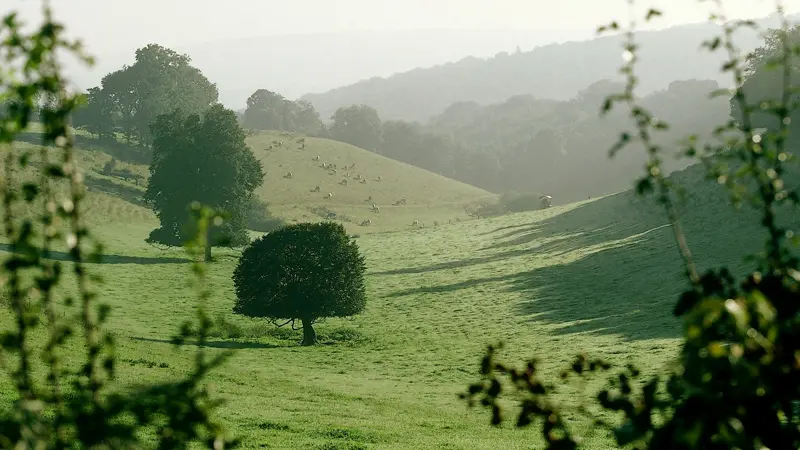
(113, 29)
(108, 24)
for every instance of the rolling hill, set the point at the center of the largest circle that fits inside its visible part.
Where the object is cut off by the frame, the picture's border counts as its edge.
(555, 71)
(429, 198)
(599, 276)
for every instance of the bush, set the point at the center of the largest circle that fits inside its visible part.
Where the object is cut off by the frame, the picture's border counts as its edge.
(301, 272)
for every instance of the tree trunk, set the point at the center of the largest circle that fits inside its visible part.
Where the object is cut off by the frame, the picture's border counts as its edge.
(309, 335)
(208, 251)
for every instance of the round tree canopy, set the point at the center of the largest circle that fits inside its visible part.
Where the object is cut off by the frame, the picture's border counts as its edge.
(302, 271)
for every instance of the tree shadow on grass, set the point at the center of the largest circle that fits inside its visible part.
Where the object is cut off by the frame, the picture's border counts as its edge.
(119, 150)
(630, 287)
(214, 344)
(109, 259)
(127, 193)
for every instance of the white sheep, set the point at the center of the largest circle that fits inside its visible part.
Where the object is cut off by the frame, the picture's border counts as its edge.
(288, 175)
(329, 195)
(344, 182)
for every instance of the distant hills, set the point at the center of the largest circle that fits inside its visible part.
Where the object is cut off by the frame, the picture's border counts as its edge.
(296, 64)
(555, 71)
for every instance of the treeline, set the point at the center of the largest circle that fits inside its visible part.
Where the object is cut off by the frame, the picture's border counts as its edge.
(531, 145)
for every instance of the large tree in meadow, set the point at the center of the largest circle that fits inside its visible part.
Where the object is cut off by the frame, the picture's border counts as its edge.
(301, 272)
(160, 81)
(201, 158)
(359, 125)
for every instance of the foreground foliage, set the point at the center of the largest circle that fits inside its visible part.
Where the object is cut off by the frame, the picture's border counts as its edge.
(73, 402)
(301, 272)
(737, 383)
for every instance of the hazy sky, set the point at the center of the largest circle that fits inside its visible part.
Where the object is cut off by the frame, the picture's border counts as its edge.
(106, 25)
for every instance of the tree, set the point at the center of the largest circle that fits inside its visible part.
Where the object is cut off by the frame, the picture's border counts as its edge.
(359, 125)
(304, 272)
(764, 83)
(160, 81)
(267, 110)
(264, 111)
(96, 114)
(201, 159)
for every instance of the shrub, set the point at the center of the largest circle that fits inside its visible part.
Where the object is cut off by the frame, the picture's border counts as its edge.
(301, 272)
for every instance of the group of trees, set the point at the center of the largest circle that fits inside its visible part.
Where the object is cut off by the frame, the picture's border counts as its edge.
(165, 105)
(531, 145)
(267, 110)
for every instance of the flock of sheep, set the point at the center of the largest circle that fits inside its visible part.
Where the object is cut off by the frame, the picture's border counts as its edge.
(349, 175)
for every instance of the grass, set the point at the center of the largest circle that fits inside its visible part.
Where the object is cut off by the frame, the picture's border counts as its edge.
(429, 197)
(599, 276)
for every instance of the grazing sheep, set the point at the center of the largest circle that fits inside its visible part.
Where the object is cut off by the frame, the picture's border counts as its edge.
(329, 195)
(415, 223)
(363, 181)
(375, 208)
(378, 179)
(288, 175)
(303, 147)
(366, 223)
(344, 182)
(316, 158)
(358, 177)
(347, 174)
(316, 189)
(369, 199)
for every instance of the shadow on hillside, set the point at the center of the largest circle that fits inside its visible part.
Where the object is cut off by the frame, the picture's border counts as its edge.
(558, 244)
(628, 289)
(127, 193)
(119, 150)
(214, 344)
(110, 259)
(611, 218)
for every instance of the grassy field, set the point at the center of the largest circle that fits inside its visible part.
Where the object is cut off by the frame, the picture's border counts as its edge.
(430, 199)
(598, 276)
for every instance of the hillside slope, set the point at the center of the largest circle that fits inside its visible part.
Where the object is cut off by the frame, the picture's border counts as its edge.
(600, 276)
(429, 197)
(556, 71)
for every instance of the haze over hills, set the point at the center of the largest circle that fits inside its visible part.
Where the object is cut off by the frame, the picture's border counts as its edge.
(554, 71)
